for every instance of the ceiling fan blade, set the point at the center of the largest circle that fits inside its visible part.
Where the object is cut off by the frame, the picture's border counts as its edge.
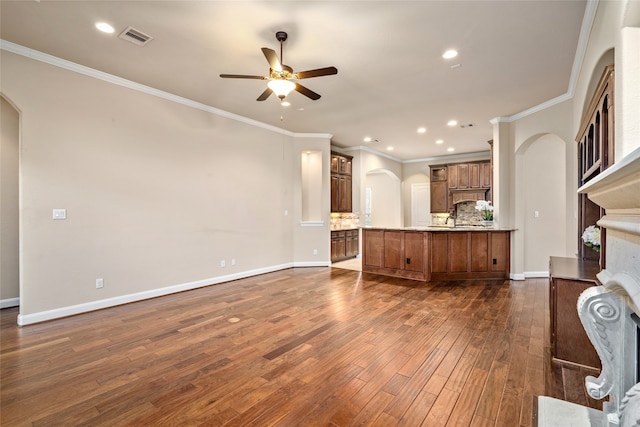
(307, 92)
(272, 58)
(265, 95)
(327, 71)
(242, 76)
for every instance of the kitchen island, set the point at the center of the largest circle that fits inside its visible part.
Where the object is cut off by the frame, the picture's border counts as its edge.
(437, 253)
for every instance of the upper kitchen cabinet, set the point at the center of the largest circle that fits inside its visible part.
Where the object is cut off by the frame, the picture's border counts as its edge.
(341, 182)
(439, 189)
(454, 182)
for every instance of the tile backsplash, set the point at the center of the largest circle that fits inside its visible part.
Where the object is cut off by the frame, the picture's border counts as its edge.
(341, 221)
(466, 214)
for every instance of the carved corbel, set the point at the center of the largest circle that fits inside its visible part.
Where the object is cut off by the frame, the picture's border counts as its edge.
(600, 313)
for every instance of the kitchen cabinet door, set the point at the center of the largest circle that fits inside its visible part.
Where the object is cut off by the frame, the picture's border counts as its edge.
(439, 196)
(479, 252)
(463, 176)
(393, 249)
(414, 251)
(500, 251)
(458, 252)
(374, 246)
(452, 176)
(474, 175)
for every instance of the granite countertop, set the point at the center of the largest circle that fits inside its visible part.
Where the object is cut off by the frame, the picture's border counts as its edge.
(445, 228)
(346, 228)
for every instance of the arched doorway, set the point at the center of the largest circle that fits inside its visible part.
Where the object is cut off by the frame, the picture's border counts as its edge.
(383, 199)
(9, 232)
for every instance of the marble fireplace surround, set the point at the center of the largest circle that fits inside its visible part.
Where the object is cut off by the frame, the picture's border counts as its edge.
(607, 312)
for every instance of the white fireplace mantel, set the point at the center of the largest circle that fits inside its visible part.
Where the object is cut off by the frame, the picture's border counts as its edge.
(618, 187)
(617, 190)
(606, 311)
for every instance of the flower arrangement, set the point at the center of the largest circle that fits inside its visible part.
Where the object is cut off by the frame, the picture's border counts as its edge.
(591, 237)
(485, 207)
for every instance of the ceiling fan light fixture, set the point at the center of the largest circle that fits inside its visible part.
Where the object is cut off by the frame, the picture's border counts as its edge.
(281, 88)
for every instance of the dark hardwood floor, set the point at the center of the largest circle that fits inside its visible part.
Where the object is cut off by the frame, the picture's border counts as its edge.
(299, 347)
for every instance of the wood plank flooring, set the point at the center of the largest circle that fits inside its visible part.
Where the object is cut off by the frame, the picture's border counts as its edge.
(299, 347)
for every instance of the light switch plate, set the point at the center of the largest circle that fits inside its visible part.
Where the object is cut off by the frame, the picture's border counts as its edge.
(59, 214)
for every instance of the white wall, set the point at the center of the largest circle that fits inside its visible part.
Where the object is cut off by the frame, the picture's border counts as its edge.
(386, 203)
(157, 193)
(545, 216)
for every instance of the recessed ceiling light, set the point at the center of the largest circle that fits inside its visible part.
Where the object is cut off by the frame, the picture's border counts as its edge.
(452, 123)
(439, 141)
(451, 149)
(367, 139)
(422, 130)
(389, 148)
(104, 27)
(285, 103)
(450, 54)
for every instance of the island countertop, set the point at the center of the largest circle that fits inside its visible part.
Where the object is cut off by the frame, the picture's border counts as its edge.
(437, 228)
(437, 252)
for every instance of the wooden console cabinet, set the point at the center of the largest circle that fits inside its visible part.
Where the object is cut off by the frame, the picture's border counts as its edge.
(568, 278)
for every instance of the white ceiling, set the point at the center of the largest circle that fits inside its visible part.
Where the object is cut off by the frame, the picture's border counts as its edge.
(391, 77)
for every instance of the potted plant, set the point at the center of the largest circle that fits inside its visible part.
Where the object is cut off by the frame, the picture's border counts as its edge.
(486, 210)
(591, 237)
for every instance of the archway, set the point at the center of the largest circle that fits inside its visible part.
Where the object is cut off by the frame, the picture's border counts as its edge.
(542, 205)
(383, 199)
(9, 232)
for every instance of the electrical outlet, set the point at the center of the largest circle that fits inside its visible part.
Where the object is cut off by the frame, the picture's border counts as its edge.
(315, 252)
(233, 261)
(99, 283)
(59, 214)
(223, 264)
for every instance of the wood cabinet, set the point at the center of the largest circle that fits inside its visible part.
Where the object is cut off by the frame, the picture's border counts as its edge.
(372, 249)
(394, 253)
(439, 190)
(341, 183)
(345, 244)
(455, 182)
(439, 197)
(595, 154)
(486, 173)
(437, 255)
(568, 278)
(469, 255)
(464, 176)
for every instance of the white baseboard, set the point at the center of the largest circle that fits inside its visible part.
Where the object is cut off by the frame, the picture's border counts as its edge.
(534, 274)
(9, 302)
(528, 275)
(312, 264)
(57, 313)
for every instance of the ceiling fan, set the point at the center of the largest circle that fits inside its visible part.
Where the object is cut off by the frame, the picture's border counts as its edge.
(281, 77)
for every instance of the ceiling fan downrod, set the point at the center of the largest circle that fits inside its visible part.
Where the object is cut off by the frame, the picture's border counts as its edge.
(281, 36)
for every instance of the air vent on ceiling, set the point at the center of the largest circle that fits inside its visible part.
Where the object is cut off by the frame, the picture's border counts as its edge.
(134, 36)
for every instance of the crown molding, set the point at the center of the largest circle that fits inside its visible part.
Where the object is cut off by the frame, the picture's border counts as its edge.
(583, 40)
(445, 159)
(110, 78)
